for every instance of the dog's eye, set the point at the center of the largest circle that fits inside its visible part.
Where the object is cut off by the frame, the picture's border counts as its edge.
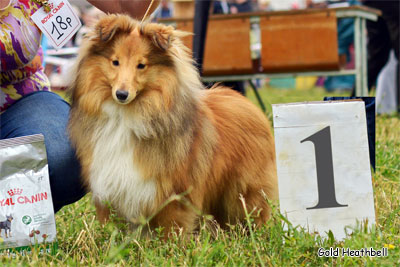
(141, 66)
(115, 62)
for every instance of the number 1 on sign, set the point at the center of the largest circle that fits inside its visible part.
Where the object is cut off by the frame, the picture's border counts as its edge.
(324, 164)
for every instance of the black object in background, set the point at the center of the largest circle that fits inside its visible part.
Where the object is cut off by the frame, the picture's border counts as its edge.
(383, 35)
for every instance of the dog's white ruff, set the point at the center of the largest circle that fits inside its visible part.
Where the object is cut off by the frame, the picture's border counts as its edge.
(113, 176)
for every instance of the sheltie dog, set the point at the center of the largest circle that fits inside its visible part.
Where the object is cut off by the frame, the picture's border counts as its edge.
(145, 129)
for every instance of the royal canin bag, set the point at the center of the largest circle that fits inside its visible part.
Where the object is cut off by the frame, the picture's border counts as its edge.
(26, 206)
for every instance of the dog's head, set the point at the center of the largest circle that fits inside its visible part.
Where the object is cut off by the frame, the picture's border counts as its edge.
(132, 63)
(9, 218)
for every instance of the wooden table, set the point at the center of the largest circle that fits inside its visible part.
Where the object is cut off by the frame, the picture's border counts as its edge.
(307, 65)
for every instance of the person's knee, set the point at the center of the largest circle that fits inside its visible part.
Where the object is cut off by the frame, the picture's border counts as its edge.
(46, 113)
(64, 170)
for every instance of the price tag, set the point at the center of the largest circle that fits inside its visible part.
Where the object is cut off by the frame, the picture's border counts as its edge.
(60, 24)
(324, 172)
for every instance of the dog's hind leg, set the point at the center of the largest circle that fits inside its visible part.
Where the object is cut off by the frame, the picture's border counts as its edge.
(175, 218)
(253, 203)
(257, 206)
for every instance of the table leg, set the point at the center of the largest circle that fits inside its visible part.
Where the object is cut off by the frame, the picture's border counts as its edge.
(358, 56)
(257, 96)
(364, 59)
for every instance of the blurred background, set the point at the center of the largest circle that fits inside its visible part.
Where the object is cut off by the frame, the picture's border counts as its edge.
(384, 86)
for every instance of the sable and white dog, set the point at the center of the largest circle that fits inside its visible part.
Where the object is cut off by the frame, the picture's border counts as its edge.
(145, 129)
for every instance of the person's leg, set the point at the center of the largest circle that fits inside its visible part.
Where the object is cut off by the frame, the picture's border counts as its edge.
(398, 86)
(384, 32)
(391, 16)
(382, 36)
(378, 48)
(201, 10)
(47, 113)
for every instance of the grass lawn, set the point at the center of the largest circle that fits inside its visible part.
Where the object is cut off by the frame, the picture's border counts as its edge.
(82, 241)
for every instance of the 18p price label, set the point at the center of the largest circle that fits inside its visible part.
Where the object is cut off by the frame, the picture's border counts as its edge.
(60, 24)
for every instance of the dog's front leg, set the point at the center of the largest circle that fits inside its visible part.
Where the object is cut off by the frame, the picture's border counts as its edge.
(102, 211)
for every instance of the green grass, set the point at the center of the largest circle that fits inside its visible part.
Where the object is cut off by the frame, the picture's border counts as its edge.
(82, 241)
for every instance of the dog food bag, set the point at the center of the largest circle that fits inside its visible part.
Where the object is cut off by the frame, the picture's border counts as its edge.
(26, 207)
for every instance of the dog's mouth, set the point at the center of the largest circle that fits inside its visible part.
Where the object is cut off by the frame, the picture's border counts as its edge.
(123, 102)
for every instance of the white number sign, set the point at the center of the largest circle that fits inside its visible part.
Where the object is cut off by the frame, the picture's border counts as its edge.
(323, 165)
(59, 24)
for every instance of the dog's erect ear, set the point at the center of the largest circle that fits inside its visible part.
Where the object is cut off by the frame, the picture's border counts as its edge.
(107, 27)
(111, 24)
(162, 40)
(160, 35)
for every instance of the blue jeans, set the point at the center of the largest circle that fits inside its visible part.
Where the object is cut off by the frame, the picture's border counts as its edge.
(47, 113)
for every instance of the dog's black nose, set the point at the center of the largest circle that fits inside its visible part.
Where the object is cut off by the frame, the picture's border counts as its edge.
(122, 95)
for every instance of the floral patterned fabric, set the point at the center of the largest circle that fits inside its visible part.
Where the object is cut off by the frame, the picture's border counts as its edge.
(21, 56)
